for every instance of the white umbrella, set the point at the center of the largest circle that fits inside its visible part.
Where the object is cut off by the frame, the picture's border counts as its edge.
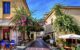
(70, 36)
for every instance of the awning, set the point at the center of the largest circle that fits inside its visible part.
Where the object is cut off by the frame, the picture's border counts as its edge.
(6, 23)
(70, 36)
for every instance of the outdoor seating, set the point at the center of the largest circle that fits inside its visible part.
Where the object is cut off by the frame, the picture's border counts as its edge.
(7, 45)
(12, 44)
(3, 43)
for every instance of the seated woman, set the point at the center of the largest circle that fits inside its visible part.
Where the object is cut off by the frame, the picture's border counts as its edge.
(7, 45)
(12, 43)
(3, 43)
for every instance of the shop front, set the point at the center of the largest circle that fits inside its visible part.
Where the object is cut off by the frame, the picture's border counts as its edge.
(8, 31)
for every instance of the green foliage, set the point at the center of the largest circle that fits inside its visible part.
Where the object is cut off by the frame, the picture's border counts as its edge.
(57, 9)
(65, 23)
(18, 14)
(31, 24)
(21, 29)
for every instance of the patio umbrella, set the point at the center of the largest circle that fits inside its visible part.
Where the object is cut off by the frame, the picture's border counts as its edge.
(70, 36)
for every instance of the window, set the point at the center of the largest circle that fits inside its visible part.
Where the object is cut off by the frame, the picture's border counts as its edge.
(52, 21)
(6, 7)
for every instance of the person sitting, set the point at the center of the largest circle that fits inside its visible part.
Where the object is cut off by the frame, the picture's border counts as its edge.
(12, 43)
(3, 43)
(7, 45)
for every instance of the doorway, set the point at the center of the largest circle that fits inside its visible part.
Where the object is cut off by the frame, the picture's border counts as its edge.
(6, 34)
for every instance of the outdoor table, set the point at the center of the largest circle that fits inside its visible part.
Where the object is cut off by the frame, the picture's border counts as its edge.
(20, 47)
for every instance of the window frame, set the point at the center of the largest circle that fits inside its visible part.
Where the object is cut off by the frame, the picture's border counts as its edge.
(9, 7)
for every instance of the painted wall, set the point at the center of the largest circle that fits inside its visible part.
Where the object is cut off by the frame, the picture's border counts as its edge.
(48, 20)
(14, 3)
(74, 13)
(48, 25)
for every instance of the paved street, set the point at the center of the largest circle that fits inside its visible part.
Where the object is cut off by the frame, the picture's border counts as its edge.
(39, 43)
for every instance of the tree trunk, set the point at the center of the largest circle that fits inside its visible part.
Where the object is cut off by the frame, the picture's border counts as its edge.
(28, 33)
(23, 36)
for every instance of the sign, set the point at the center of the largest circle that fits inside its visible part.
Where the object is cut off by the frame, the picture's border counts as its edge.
(51, 41)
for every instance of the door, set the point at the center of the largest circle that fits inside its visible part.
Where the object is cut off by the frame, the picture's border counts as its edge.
(6, 34)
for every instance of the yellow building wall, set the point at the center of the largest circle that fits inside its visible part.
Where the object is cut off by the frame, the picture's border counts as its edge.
(48, 20)
(1, 9)
(13, 4)
(75, 13)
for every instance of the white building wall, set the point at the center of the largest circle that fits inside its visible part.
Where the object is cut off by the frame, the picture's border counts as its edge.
(48, 25)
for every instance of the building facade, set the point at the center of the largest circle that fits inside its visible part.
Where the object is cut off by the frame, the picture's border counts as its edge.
(7, 9)
(50, 18)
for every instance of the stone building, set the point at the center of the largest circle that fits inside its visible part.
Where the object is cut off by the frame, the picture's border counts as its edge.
(7, 9)
(73, 11)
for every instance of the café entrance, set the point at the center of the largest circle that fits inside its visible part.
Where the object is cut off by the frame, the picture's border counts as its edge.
(6, 33)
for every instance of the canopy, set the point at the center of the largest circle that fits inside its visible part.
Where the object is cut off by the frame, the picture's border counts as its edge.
(6, 23)
(70, 36)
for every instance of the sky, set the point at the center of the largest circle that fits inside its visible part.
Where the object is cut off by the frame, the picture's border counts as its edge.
(39, 8)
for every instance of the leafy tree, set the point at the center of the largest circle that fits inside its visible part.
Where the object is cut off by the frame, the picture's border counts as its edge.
(57, 10)
(64, 22)
(22, 20)
(25, 23)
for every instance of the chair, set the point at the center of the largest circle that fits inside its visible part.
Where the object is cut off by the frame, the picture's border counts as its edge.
(7, 45)
(3, 43)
